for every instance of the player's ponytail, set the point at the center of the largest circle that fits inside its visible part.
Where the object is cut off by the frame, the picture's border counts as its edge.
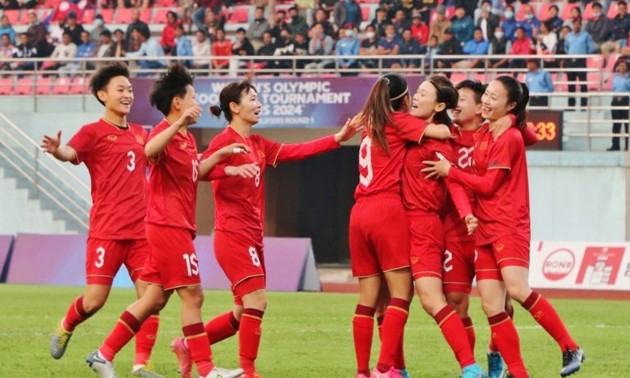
(388, 94)
(518, 93)
(215, 110)
(231, 94)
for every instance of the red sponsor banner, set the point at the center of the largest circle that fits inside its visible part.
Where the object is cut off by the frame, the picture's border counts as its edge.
(580, 265)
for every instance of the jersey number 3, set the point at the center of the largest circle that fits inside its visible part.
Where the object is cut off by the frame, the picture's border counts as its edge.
(365, 162)
(131, 165)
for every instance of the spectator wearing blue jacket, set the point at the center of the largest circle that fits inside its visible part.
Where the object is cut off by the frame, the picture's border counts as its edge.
(183, 45)
(538, 81)
(348, 46)
(476, 46)
(86, 49)
(621, 86)
(578, 42)
(409, 46)
(531, 24)
(509, 23)
(462, 25)
(149, 47)
(6, 28)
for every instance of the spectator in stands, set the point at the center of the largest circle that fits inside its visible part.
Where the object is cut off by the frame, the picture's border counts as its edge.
(279, 24)
(56, 31)
(221, 47)
(578, 42)
(257, 28)
(149, 47)
(576, 13)
(300, 44)
(462, 25)
(439, 26)
(379, 22)
(522, 45)
(24, 50)
(6, 51)
(599, 26)
(389, 44)
(509, 23)
(419, 30)
(621, 86)
(320, 44)
(136, 23)
(202, 50)
(105, 43)
(87, 49)
(138, 4)
(348, 46)
(99, 27)
(168, 34)
(74, 28)
(554, 20)
(390, 7)
(450, 46)
(409, 46)
(347, 13)
(487, 21)
(9, 4)
(369, 46)
(119, 47)
(625, 46)
(242, 47)
(298, 23)
(620, 27)
(183, 46)
(531, 24)
(64, 50)
(322, 16)
(546, 43)
(36, 30)
(7, 28)
(499, 45)
(213, 22)
(286, 47)
(539, 81)
(401, 22)
(476, 46)
(187, 21)
(267, 49)
(431, 51)
(204, 7)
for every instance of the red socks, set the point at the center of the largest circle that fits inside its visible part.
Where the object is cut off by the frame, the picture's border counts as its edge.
(249, 338)
(362, 331)
(470, 332)
(393, 329)
(455, 334)
(222, 327)
(544, 313)
(145, 339)
(75, 315)
(506, 339)
(199, 347)
(124, 330)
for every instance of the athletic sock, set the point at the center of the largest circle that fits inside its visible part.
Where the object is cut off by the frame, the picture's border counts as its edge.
(506, 339)
(75, 315)
(544, 313)
(249, 338)
(199, 347)
(124, 330)
(145, 339)
(222, 327)
(455, 335)
(394, 322)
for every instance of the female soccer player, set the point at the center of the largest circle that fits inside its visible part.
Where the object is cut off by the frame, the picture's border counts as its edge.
(113, 151)
(239, 213)
(170, 227)
(423, 199)
(503, 236)
(379, 231)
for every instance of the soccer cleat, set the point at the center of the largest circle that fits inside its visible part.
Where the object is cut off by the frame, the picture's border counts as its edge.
(403, 373)
(179, 347)
(218, 372)
(104, 368)
(473, 371)
(145, 371)
(495, 365)
(571, 361)
(378, 374)
(59, 342)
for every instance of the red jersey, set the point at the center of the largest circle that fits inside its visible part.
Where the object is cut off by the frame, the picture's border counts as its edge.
(381, 172)
(428, 195)
(117, 165)
(463, 145)
(239, 203)
(173, 181)
(505, 211)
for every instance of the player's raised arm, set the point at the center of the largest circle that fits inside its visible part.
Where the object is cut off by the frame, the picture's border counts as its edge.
(211, 161)
(52, 145)
(157, 144)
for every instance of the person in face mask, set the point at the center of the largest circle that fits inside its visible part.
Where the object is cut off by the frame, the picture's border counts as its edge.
(509, 24)
(487, 21)
(99, 27)
(598, 26)
(348, 46)
(499, 45)
(531, 24)
(369, 46)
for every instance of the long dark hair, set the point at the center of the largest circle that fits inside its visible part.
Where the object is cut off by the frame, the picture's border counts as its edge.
(519, 94)
(387, 96)
(446, 93)
(231, 93)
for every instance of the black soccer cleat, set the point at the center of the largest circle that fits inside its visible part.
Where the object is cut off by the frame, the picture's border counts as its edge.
(571, 361)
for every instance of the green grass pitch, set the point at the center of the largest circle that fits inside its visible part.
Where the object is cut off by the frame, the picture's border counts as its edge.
(304, 335)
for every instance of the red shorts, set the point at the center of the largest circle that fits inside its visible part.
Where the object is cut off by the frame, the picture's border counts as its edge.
(459, 266)
(242, 261)
(511, 250)
(173, 262)
(427, 244)
(379, 235)
(105, 257)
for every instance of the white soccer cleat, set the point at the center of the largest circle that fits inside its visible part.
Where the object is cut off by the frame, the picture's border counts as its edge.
(218, 372)
(102, 367)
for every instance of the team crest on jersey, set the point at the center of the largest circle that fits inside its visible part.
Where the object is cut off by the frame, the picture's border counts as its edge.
(112, 137)
(139, 139)
(261, 154)
(183, 145)
(499, 247)
(483, 145)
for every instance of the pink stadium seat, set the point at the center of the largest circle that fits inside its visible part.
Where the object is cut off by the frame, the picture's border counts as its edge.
(43, 85)
(520, 14)
(565, 13)
(13, 15)
(108, 15)
(594, 80)
(588, 12)
(240, 15)
(366, 12)
(61, 86)
(159, 16)
(25, 86)
(612, 9)
(543, 11)
(612, 59)
(458, 77)
(88, 16)
(145, 15)
(595, 61)
(165, 3)
(24, 16)
(124, 16)
(6, 85)
(51, 3)
(78, 86)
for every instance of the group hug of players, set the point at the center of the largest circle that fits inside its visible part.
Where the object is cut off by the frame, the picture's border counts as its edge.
(437, 204)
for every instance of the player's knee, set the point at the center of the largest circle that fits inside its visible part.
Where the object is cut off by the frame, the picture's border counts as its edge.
(518, 291)
(492, 307)
(431, 304)
(92, 305)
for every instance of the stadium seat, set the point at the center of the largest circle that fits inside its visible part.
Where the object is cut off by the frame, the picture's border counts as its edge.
(240, 15)
(52, 3)
(24, 16)
(165, 3)
(25, 86)
(108, 15)
(13, 15)
(87, 17)
(43, 85)
(588, 12)
(595, 61)
(612, 9)
(145, 15)
(78, 86)
(6, 85)
(612, 59)
(61, 86)
(124, 16)
(159, 16)
(366, 12)
(458, 77)
(543, 11)
(565, 13)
